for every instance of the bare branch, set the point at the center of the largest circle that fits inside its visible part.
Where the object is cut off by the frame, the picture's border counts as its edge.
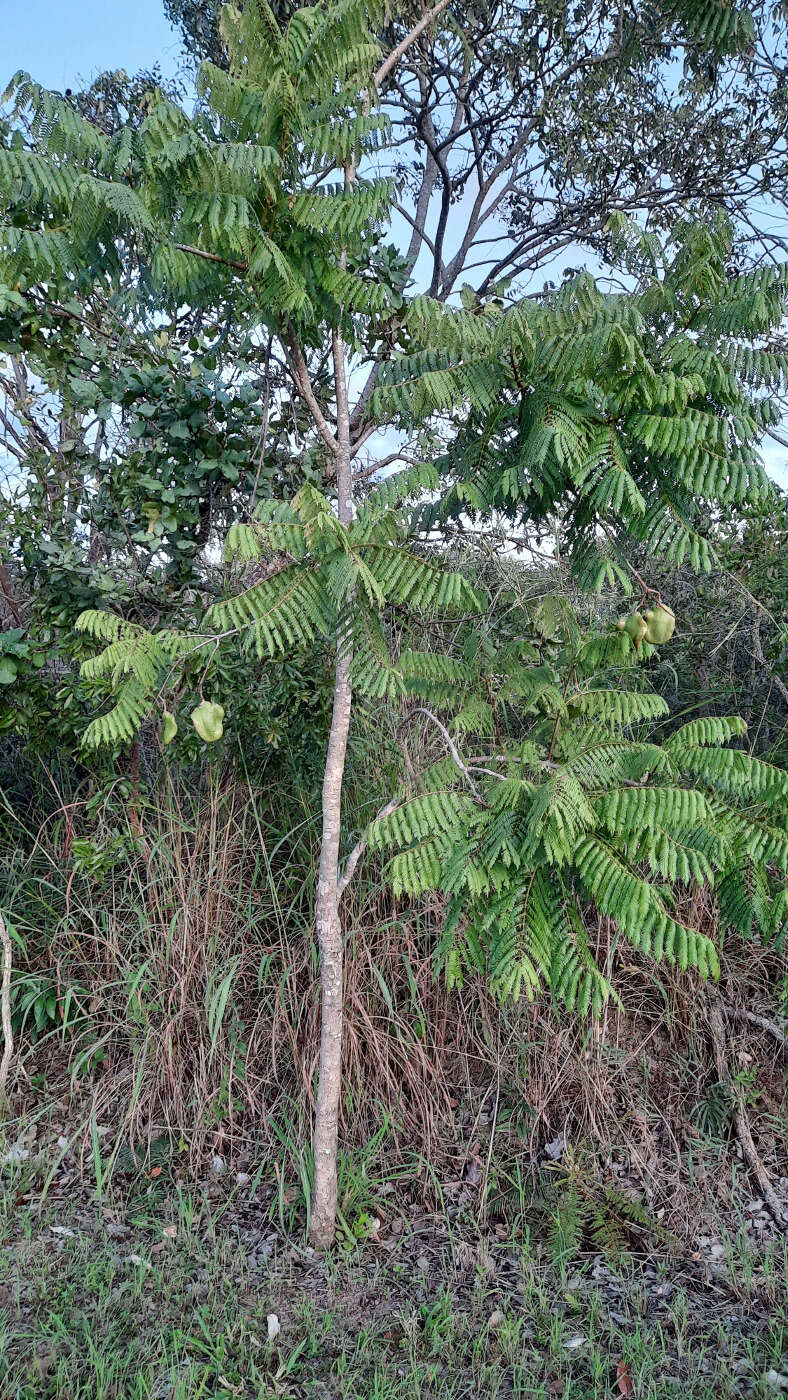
(212, 257)
(410, 38)
(740, 1013)
(450, 744)
(300, 373)
(361, 845)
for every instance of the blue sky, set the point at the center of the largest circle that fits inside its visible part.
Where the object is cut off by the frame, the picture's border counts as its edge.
(61, 41)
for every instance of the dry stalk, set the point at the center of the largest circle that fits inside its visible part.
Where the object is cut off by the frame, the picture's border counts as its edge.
(5, 1007)
(743, 1130)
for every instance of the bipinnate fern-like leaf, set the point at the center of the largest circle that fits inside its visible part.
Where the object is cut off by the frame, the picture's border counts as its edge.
(595, 810)
(320, 582)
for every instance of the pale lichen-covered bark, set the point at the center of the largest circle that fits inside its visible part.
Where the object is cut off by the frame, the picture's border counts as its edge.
(329, 928)
(329, 934)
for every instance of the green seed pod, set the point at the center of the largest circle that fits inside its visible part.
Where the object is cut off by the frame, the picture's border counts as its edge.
(170, 728)
(660, 625)
(207, 720)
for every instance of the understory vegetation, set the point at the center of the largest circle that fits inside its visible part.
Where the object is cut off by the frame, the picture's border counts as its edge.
(394, 709)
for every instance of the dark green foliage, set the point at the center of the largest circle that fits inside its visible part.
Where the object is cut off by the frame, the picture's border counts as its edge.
(287, 117)
(198, 22)
(601, 1219)
(713, 1113)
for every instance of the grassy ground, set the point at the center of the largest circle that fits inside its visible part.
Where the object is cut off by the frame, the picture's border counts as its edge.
(172, 1293)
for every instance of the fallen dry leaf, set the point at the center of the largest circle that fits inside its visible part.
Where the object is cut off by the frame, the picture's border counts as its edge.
(228, 1385)
(624, 1379)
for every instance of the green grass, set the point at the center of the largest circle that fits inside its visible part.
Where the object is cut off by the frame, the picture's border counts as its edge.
(177, 1309)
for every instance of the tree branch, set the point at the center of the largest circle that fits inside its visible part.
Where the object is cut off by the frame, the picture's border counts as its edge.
(212, 257)
(5, 588)
(410, 38)
(361, 845)
(300, 374)
(450, 744)
(741, 1121)
(740, 1013)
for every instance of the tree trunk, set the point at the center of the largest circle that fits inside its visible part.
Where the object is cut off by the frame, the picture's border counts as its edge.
(329, 935)
(329, 928)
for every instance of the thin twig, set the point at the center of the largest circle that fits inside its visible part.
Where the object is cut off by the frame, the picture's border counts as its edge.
(450, 744)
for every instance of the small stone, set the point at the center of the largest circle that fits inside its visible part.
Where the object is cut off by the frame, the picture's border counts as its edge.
(495, 1319)
(776, 1379)
(423, 1263)
(63, 1143)
(242, 1178)
(574, 1342)
(717, 1251)
(274, 1326)
(16, 1154)
(218, 1165)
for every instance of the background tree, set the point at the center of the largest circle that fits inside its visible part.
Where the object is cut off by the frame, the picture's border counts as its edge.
(643, 110)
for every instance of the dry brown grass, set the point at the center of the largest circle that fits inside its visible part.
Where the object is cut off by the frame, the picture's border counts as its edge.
(198, 979)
